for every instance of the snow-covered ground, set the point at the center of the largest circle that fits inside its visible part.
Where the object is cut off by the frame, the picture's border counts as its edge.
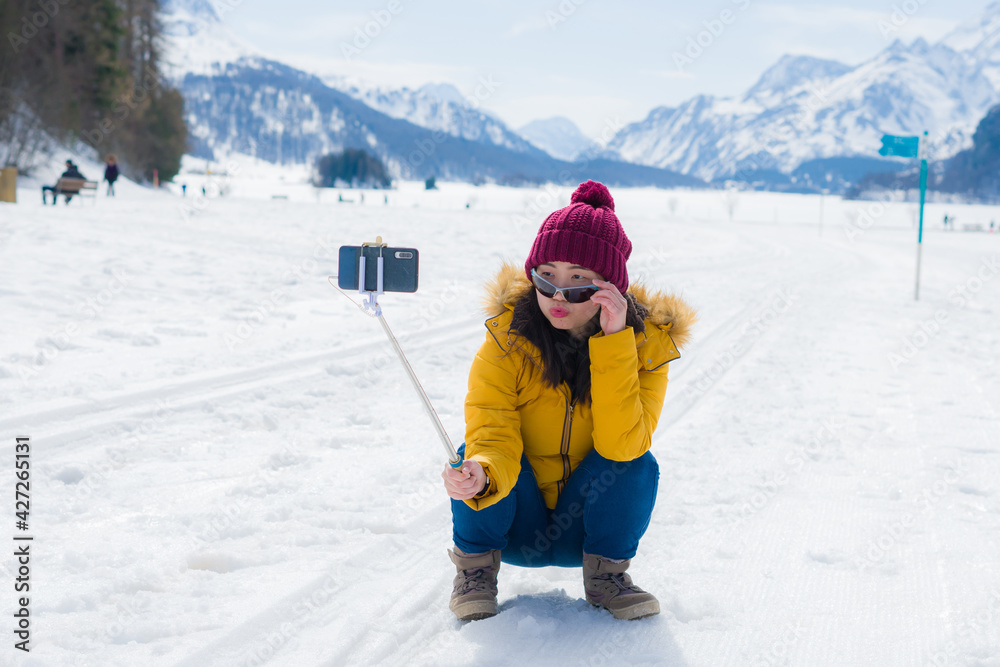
(229, 467)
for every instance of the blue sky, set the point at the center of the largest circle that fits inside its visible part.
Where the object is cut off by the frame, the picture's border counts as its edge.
(597, 62)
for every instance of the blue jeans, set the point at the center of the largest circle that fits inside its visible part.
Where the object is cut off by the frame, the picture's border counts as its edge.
(604, 510)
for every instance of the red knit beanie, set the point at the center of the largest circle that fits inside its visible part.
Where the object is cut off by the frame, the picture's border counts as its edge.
(587, 233)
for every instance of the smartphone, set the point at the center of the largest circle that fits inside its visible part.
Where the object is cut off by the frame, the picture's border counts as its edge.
(399, 268)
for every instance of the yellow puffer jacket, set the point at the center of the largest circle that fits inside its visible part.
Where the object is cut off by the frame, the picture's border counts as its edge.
(510, 408)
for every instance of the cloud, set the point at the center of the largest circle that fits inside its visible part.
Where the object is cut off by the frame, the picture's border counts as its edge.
(392, 74)
(533, 24)
(817, 16)
(323, 28)
(667, 73)
(830, 18)
(845, 34)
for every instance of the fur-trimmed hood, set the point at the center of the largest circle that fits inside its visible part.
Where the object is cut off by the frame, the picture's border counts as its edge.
(668, 311)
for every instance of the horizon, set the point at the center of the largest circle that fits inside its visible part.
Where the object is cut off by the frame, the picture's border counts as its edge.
(389, 44)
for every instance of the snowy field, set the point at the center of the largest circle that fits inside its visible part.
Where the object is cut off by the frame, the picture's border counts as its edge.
(229, 467)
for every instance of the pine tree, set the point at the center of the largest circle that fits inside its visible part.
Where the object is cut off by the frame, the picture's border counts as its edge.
(353, 166)
(90, 71)
(976, 171)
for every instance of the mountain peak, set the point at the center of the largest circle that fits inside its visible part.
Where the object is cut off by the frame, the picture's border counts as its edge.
(556, 122)
(444, 92)
(197, 40)
(196, 9)
(558, 136)
(979, 33)
(792, 71)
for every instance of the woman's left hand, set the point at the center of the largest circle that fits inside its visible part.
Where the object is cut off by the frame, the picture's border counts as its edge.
(613, 307)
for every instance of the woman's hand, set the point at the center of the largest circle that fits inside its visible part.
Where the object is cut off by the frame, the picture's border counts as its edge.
(465, 483)
(613, 307)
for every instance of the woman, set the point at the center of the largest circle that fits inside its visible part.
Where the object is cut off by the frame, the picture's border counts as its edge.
(563, 399)
(111, 173)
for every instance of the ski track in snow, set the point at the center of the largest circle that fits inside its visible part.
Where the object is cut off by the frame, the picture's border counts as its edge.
(826, 497)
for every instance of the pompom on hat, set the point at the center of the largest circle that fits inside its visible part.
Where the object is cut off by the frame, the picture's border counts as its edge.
(587, 233)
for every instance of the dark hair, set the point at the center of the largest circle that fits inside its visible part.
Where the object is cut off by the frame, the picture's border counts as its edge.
(565, 358)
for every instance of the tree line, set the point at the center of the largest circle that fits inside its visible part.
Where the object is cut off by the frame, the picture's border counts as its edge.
(975, 172)
(352, 167)
(88, 71)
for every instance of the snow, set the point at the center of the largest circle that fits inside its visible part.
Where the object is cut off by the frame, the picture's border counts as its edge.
(198, 41)
(976, 32)
(230, 467)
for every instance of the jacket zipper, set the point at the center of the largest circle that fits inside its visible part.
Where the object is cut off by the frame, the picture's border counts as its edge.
(564, 446)
(567, 429)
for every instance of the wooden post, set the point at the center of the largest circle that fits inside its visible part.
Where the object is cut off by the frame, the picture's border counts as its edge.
(8, 184)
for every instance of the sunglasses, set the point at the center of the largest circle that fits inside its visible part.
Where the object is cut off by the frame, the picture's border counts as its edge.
(571, 294)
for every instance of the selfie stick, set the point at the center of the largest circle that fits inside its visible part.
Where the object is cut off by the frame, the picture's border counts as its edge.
(372, 307)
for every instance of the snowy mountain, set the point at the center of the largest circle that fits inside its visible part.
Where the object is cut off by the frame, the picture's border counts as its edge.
(277, 113)
(435, 107)
(559, 137)
(444, 92)
(791, 72)
(804, 108)
(237, 101)
(975, 171)
(978, 40)
(197, 41)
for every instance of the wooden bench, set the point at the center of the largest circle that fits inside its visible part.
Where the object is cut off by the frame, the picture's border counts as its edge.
(74, 186)
(77, 186)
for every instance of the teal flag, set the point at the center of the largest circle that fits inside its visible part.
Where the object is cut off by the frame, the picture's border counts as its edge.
(901, 146)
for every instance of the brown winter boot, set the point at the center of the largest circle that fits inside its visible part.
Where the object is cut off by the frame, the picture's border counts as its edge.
(474, 596)
(607, 585)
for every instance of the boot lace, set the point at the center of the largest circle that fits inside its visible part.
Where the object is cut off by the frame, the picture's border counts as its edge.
(621, 580)
(475, 580)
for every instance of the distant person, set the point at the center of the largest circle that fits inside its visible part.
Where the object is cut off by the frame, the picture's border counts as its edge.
(71, 172)
(184, 190)
(111, 173)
